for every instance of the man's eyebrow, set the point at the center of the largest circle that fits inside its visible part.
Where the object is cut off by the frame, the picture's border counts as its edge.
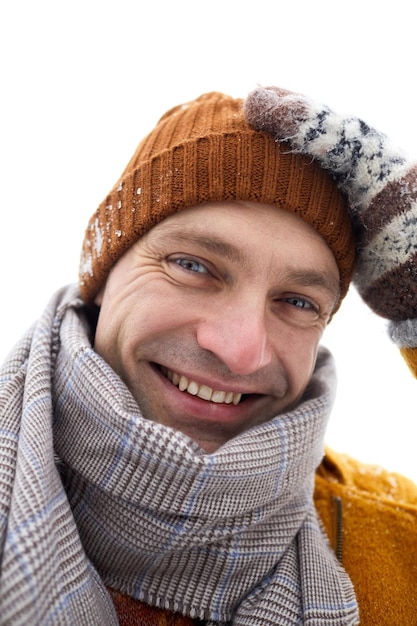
(315, 278)
(213, 244)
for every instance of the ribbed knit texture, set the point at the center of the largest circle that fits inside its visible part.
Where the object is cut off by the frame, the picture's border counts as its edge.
(231, 536)
(378, 179)
(204, 151)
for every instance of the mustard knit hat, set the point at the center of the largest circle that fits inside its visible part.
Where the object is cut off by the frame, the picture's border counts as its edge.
(205, 151)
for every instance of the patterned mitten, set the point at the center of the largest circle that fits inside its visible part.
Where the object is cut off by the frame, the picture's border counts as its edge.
(380, 183)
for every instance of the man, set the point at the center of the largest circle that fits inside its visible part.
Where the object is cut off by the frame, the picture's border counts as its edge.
(163, 422)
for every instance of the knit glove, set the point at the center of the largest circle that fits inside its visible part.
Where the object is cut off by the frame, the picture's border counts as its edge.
(380, 183)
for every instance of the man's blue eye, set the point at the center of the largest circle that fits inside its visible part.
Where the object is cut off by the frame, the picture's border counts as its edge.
(192, 266)
(300, 303)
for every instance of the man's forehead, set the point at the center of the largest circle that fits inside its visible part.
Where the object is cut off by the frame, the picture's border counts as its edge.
(243, 219)
(236, 212)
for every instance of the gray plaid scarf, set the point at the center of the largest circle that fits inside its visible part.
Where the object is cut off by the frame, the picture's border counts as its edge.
(92, 494)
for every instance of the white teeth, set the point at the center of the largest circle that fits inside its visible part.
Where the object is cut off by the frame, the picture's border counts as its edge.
(229, 397)
(218, 396)
(175, 378)
(192, 388)
(183, 383)
(202, 391)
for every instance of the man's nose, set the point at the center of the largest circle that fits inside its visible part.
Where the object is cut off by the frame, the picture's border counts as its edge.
(238, 336)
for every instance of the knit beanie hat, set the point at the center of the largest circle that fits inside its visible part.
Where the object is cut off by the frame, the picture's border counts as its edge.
(205, 151)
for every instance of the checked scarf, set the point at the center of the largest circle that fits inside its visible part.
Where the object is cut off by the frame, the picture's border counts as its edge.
(94, 495)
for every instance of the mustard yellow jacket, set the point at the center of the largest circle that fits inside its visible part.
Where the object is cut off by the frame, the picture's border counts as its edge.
(370, 516)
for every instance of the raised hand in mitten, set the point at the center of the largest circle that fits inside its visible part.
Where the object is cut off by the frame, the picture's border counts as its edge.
(378, 180)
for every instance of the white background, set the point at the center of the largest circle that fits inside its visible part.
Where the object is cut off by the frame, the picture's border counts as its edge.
(83, 81)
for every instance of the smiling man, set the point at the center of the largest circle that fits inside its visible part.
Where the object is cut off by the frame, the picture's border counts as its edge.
(163, 422)
(194, 315)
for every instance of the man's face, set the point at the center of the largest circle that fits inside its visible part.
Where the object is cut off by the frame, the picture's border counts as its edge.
(213, 318)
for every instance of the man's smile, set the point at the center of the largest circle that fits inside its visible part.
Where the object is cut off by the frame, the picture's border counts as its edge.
(201, 391)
